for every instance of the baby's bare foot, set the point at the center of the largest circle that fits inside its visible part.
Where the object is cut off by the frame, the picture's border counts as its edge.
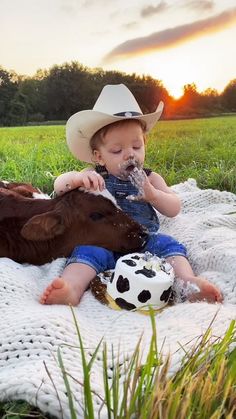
(61, 292)
(207, 291)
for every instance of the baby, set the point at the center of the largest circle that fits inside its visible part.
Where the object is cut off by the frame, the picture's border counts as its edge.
(112, 136)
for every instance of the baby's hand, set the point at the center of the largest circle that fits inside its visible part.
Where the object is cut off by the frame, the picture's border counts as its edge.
(137, 177)
(91, 180)
(140, 180)
(88, 179)
(149, 191)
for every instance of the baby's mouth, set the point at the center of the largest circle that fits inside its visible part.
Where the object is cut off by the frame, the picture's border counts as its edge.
(128, 167)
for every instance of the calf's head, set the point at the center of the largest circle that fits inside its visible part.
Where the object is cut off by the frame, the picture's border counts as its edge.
(84, 218)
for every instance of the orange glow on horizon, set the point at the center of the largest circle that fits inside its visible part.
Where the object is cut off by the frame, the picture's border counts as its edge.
(195, 62)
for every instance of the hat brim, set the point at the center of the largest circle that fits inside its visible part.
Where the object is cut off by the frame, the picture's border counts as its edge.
(81, 127)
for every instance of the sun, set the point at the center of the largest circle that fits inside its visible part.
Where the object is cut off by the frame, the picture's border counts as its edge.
(162, 67)
(174, 89)
(174, 69)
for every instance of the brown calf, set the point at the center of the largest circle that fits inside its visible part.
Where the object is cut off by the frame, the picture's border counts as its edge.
(24, 189)
(40, 230)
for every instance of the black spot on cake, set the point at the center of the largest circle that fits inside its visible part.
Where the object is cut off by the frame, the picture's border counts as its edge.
(135, 257)
(163, 268)
(166, 295)
(144, 296)
(129, 262)
(122, 284)
(112, 277)
(124, 304)
(149, 273)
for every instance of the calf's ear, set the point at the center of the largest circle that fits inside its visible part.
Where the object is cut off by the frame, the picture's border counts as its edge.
(43, 227)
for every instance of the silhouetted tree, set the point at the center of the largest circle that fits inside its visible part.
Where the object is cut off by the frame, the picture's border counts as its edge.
(191, 95)
(34, 90)
(148, 92)
(17, 113)
(228, 96)
(57, 93)
(8, 89)
(67, 90)
(210, 101)
(189, 105)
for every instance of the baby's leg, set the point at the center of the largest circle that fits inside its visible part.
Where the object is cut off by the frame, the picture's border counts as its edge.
(207, 290)
(69, 288)
(83, 265)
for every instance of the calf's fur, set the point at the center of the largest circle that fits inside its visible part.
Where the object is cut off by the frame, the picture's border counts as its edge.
(39, 230)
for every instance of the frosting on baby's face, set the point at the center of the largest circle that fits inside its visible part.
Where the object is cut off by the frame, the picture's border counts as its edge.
(127, 168)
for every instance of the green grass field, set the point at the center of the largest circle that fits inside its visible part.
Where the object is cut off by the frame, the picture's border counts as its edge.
(204, 149)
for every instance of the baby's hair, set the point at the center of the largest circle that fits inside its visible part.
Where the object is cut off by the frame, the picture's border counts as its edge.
(98, 137)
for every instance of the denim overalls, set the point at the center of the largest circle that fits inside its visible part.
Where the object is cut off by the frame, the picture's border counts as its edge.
(159, 244)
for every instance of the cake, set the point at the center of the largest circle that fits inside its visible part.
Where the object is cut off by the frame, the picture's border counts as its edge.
(140, 280)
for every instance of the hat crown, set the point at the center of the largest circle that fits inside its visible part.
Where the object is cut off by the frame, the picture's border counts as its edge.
(116, 99)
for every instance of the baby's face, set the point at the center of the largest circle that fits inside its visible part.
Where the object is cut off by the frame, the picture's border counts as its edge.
(122, 149)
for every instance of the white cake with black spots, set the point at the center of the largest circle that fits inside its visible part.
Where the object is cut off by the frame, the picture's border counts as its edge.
(140, 280)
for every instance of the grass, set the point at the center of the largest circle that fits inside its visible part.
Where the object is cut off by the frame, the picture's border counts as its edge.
(204, 149)
(205, 386)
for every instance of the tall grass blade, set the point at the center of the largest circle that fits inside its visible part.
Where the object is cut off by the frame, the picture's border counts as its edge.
(66, 381)
(89, 411)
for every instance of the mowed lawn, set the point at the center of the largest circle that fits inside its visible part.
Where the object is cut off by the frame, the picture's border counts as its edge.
(204, 149)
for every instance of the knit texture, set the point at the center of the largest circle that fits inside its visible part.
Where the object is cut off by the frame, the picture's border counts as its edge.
(31, 333)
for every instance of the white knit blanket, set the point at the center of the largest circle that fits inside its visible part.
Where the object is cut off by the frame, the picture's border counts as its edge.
(31, 333)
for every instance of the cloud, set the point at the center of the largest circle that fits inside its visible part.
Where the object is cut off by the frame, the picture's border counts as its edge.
(172, 36)
(69, 7)
(153, 10)
(130, 25)
(74, 6)
(200, 4)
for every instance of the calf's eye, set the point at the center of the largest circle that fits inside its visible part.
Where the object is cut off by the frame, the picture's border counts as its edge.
(95, 216)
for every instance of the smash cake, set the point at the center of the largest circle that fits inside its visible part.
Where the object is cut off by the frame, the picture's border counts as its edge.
(139, 280)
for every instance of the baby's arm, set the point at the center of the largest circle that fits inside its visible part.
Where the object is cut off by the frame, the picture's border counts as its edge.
(160, 196)
(87, 179)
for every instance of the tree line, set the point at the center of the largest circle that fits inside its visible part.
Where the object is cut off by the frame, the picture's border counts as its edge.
(57, 93)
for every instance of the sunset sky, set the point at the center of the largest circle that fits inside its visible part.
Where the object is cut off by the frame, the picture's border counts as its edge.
(176, 41)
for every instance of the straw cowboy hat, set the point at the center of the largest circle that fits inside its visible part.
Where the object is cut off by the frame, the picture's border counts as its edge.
(115, 103)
